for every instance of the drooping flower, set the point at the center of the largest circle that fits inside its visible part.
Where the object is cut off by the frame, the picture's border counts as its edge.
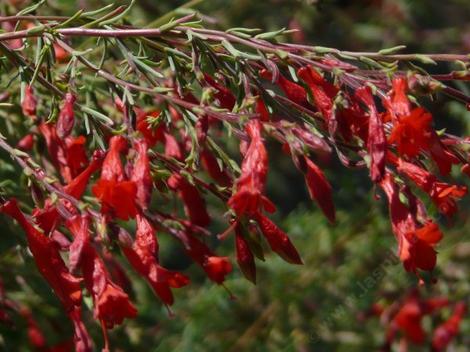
(323, 94)
(117, 195)
(415, 243)
(398, 103)
(353, 122)
(225, 97)
(245, 258)
(216, 267)
(66, 118)
(449, 329)
(75, 154)
(248, 198)
(111, 303)
(444, 195)
(262, 110)
(313, 141)
(376, 141)
(210, 164)
(441, 155)
(29, 103)
(172, 147)
(319, 188)
(194, 204)
(141, 174)
(52, 267)
(52, 142)
(60, 53)
(292, 90)
(142, 254)
(278, 240)
(26, 143)
(78, 185)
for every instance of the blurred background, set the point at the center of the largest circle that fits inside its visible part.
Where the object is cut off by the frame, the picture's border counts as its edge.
(321, 305)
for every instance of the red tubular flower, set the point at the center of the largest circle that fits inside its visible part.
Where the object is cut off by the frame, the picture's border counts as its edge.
(142, 254)
(278, 240)
(111, 303)
(448, 330)
(48, 217)
(75, 154)
(466, 169)
(376, 141)
(53, 269)
(313, 141)
(78, 185)
(223, 94)
(210, 164)
(249, 198)
(319, 188)
(117, 272)
(293, 91)
(60, 53)
(442, 194)
(151, 134)
(415, 245)
(412, 133)
(422, 253)
(52, 142)
(141, 174)
(117, 195)
(398, 104)
(431, 305)
(26, 143)
(194, 204)
(172, 147)
(35, 335)
(215, 267)
(202, 127)
(66, 118)
(323, 94)
(408, 320)
(29, 103)
(82, 341)
(262, 110)
(245, 258)
(352, 121)
(441, 155)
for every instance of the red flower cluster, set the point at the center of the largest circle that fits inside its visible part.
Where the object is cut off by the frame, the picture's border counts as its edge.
(363, 124)
(111, 303)
(406, 318)
(52, 267)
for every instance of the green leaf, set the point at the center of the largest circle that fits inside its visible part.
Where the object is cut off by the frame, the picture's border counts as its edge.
(98, 115)
(393, 50)
(425, 59)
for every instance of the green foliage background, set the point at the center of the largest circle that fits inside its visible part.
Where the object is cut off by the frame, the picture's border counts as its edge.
(316, 307)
